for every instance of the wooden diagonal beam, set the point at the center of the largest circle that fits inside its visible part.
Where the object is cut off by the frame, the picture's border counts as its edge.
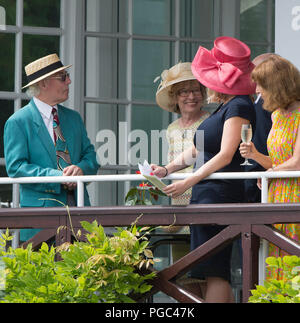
(277, 238)
(211, 246)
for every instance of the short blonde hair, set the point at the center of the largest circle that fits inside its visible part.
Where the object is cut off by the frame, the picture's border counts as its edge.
(180, 85)
(217, 97)
(280, 81)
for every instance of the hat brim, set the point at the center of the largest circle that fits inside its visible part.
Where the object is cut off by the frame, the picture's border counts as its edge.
(46, 75)
(162, 95)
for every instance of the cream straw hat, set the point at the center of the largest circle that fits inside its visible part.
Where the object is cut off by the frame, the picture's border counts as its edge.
(42, 68)
(177, 73)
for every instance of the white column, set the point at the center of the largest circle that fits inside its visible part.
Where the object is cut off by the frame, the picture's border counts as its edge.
(72, 49)
(287, 30)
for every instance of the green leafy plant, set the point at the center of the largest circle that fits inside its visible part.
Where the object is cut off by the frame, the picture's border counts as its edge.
(143, 194)
(285, 290)
(101, 269)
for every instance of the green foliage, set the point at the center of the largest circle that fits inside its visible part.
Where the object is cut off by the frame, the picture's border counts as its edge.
(285, 290)
(144, 194)
(102, 269)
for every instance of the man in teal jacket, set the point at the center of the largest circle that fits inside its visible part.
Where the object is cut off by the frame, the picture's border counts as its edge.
(30, 138)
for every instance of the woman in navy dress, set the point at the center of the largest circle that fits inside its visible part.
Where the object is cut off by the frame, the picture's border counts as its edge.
(225, 71)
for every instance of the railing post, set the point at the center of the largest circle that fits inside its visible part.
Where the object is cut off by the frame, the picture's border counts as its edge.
(15, 204)
(263, 253)
(16, 196)
(80, 193)
(264, 189)
(250, 261)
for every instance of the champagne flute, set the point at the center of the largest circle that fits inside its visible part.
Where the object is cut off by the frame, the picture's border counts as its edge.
(246, 135)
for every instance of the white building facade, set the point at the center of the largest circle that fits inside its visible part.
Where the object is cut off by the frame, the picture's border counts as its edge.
(117, 48)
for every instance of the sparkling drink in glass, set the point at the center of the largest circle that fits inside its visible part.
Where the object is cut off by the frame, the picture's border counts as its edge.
(246, 135)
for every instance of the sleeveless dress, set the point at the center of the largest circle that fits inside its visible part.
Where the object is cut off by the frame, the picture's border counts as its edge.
(218, 191)
(281, 144)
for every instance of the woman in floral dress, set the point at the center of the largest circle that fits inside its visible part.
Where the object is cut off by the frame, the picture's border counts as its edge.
(180, 92)
(278, 82)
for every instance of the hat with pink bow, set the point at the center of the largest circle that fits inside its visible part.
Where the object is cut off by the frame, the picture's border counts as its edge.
(226, 68)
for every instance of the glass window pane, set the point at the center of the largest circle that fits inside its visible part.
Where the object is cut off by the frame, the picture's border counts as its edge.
(10, 11)
(150, 58)
(148, 141)
(44, 13)
(108, 16)
(197, 19)
(153, 17)
(7, 62)
(259, 49)
(35, 47)
(7, 109)
(5, 189)
(105, 68)
(100, 117)
(116, 143)
(25, 102)
(253, 20)
(107, 131)
(108, 137)
(189, 49)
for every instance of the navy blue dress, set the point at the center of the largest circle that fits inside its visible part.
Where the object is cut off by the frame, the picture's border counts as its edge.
(219, 191)
(260, 136)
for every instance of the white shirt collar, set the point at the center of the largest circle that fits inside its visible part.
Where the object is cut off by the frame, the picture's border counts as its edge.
(44, 108)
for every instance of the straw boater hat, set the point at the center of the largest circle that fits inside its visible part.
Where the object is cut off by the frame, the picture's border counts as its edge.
(226, 68)
(178, 73)
(42, 68)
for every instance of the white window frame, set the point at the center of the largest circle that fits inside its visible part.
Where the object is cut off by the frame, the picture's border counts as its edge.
(17, 95)
(72, 35)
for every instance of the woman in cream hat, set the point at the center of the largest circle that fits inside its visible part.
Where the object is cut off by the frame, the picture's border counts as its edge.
(181, 93)
(225, 71)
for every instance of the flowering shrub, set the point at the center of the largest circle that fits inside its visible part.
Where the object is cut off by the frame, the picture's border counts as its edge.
(101, 270)
(143, 194)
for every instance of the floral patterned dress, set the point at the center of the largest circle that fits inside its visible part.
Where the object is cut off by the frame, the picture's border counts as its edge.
(179, 139)
(281, 143)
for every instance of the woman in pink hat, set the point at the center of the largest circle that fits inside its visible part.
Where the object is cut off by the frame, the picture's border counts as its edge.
(225, 71)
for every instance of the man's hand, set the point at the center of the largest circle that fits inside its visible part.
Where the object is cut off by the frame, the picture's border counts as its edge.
(72, 170)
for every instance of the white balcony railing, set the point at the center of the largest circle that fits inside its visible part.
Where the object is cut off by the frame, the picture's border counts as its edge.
(80, 180)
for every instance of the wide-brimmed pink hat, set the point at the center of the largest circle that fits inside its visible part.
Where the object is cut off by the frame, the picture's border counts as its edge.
(226, 68)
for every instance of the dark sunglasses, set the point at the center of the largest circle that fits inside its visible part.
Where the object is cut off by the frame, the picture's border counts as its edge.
(61, 77)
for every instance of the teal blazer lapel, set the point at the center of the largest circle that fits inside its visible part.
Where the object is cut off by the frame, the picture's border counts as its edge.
(42, 132)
